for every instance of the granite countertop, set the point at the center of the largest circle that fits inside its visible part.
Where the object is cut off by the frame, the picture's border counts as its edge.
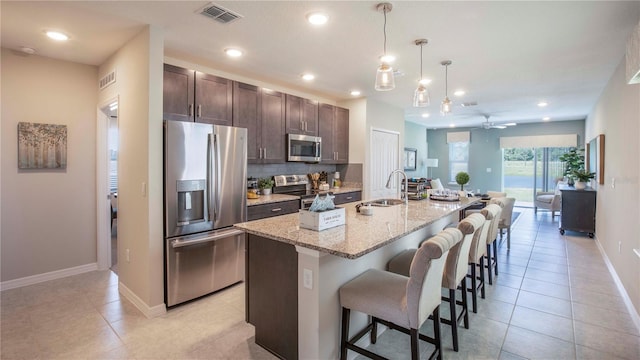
(361, 234)
(274, 198)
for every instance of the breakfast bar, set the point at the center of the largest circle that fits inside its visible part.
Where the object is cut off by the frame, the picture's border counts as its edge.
(293, 274)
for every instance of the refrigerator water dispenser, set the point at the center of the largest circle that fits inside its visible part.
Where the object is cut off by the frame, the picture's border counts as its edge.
(191, 201)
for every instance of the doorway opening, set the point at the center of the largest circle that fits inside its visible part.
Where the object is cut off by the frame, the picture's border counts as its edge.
(110, 112)
(529, 170)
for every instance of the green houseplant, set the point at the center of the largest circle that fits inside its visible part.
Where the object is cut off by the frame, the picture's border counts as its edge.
(265, 184)
(573, 161)
(582, 176)
(462, 178)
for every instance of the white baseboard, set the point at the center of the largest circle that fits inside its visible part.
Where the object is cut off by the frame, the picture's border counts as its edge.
(149, 312)
(625, 296)
(58, 274)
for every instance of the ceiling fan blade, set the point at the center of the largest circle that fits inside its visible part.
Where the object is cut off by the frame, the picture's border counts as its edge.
(499, 127)
(510, 124)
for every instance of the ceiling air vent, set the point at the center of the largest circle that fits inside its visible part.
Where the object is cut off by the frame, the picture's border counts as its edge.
(470, 103)
(218, 13)
(107, 80)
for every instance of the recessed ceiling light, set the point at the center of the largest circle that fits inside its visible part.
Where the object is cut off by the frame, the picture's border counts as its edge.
(387, 59)
(542, 104)
(233, 52)
(425, 81)
(425, 115)
(452, 125)
(546, 118)
(459, 92)
(56, 35)
(27, 50)
(308, 77)
(355, 93)
(317, 18)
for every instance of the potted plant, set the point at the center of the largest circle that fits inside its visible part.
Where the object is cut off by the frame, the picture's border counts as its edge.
(582, 176)
(462, 178)
(573, 161)
(265, 185)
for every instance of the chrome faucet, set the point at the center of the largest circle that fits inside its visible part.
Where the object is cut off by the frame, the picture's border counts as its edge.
(405, 195)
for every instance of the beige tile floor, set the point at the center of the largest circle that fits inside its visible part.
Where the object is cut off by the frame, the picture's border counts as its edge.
(553, 299)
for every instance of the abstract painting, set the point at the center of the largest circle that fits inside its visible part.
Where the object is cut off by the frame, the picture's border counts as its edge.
(42, 146)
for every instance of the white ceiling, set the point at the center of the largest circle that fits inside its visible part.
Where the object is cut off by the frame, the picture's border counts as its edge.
(508, 56)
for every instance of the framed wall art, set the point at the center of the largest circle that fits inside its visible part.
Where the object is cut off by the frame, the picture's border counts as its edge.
(42, 146)
(410, 158)
(594, 158)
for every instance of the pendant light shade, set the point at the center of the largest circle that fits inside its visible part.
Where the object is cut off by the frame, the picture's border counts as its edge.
(384, 75)
(421, 95)
(384, 78)
(445, 107)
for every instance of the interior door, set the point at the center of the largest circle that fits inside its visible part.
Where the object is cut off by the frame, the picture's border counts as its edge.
(384, 158)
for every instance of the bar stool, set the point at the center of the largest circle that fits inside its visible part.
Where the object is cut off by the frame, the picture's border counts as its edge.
(399, 302)
(492, 259)
(477, 254)
(455, 272)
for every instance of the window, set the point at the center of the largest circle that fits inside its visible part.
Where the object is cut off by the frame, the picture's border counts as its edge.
(458, 159)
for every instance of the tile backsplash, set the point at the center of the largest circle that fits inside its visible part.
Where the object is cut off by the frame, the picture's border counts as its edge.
(350, 173)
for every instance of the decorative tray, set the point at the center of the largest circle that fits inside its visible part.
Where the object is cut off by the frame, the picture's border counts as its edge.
(444, 198)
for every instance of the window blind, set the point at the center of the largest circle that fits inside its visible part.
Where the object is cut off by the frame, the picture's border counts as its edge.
(459, 136)
(564, 140)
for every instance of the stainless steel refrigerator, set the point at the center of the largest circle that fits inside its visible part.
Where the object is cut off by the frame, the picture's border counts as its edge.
(205, 172)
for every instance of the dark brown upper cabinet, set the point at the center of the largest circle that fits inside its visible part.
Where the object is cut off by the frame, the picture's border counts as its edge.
(261, 111)
(301, 116)
(333, 128)
(194, 96)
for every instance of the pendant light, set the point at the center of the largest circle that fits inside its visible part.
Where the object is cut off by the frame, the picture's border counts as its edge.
(445, 107)
(421, 95)
(384, 75)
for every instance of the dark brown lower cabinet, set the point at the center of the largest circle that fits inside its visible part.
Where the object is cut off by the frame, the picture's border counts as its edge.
(578, 211)
(262, 211)
(347, 197)
(272, 295)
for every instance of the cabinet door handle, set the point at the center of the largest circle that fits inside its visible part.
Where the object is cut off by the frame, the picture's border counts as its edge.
(190, 110)
(199, 110)
(301, 125)
(276, 209)
(260, 156)
(349, 197)
(265, 153)
(305, 126)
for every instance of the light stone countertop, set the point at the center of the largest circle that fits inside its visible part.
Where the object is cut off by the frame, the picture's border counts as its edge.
(361, 234)
(274, 198)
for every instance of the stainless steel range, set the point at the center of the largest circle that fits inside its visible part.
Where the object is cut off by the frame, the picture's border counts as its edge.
(296, 185)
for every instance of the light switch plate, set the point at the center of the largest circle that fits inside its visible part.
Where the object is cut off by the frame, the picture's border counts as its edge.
(307, 278)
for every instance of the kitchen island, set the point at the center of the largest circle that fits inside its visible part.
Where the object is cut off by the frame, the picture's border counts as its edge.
(293, 274)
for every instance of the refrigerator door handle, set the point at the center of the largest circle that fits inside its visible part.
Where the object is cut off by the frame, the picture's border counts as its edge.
(178, 243)
(210, 178)
(218, 173)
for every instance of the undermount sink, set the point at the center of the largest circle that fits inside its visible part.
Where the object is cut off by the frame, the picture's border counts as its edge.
(386, 202)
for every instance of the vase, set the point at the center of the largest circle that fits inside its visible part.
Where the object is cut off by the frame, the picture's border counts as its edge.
(580, 185)
(266, 191)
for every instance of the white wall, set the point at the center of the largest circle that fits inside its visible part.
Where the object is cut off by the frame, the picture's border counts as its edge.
(617, 116)
(48, 216)
(138, 66)
(380, 116)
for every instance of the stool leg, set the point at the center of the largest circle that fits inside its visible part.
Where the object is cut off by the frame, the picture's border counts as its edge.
(345, 333)
(436, 332)
(374, 329)
(454, 318)
(474, 289)
(509, 237)
(489, 264)
(495, 257)
(465, 307)
(415, 349)
(482, 277)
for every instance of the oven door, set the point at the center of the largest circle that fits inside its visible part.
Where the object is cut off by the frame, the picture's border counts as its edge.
(303, 148)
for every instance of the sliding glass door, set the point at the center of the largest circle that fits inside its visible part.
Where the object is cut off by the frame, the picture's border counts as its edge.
(529, 170)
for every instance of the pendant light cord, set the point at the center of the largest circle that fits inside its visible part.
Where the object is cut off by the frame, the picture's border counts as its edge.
(421, 47)
(384, 30)
(446, 80)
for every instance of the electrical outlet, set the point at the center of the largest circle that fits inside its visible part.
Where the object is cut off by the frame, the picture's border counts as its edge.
(619, 247)
(127, 254)
(307, 278)
(143, 189)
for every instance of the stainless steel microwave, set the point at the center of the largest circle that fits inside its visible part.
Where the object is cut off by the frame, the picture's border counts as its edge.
(304, 148)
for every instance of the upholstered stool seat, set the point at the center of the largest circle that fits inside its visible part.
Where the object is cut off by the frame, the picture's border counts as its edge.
(399, 302)
(454, 274)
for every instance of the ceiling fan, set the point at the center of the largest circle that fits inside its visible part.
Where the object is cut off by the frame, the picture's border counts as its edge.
(491, 125)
